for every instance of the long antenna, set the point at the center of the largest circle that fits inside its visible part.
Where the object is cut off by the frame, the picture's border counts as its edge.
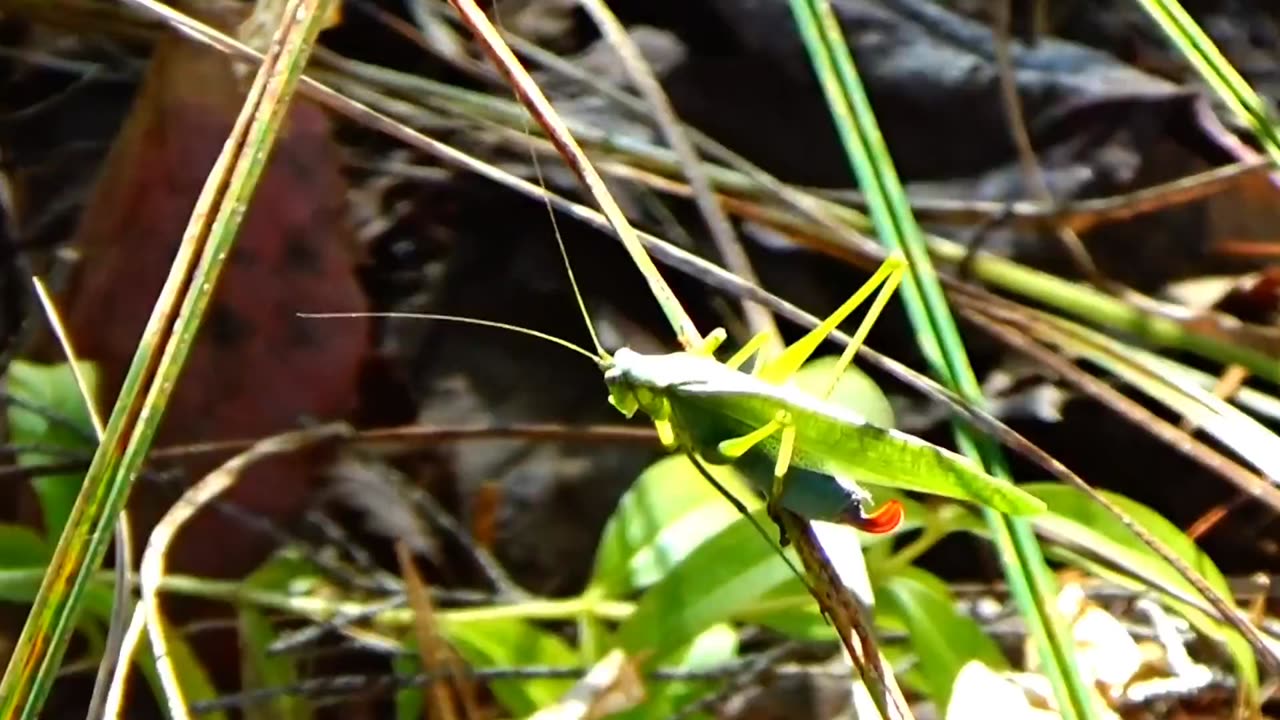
(555, 227)
(564, 255)
(573, 280)
(600, 360)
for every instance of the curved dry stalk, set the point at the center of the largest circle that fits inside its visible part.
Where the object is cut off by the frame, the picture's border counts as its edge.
(151, 574)
(851, 620)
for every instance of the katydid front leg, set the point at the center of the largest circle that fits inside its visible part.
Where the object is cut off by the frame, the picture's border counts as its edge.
(735, 448)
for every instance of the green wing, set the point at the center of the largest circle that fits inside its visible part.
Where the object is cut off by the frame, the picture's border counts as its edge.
(880, 456)
(837, 441)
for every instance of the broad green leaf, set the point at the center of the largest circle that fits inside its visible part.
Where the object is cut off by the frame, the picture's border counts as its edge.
(1077, 522)
(283, 572)
(713, 647)
(510, 642)
(52, 389)
(669, 511)
(943, 639)
(721, 577)
(19, 585)
(790, 609)
(410, 701)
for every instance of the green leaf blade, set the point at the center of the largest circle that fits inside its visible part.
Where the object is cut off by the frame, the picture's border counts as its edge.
(943, 639)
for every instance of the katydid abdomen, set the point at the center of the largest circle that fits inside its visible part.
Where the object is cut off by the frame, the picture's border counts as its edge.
(816, 495)
(810, 493)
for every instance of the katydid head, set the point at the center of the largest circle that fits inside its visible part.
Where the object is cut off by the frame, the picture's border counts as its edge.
(645, 382)
(627, 392)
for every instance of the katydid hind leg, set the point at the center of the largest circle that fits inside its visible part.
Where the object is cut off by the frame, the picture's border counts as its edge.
(734, 448)
(887, 289)
(777, 370)
(751, 347)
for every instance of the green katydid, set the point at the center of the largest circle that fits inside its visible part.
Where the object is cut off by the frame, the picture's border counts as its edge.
(723, 415)
(802, 452)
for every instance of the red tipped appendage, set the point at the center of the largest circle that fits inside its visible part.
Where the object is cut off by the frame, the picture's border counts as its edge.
(885, 520)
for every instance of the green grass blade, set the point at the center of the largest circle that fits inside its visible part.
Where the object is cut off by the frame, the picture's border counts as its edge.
(38, 652)
(1029, 578)
(1216, 71)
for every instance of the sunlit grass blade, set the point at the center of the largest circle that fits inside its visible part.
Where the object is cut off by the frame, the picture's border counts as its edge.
(1247, 437)
(936, 332)
(1217, 72)
(38, 652)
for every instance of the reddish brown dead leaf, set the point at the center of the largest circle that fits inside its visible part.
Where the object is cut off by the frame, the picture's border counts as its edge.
(256, 369)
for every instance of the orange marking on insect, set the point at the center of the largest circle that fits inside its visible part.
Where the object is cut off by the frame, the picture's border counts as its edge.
(885, 520)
